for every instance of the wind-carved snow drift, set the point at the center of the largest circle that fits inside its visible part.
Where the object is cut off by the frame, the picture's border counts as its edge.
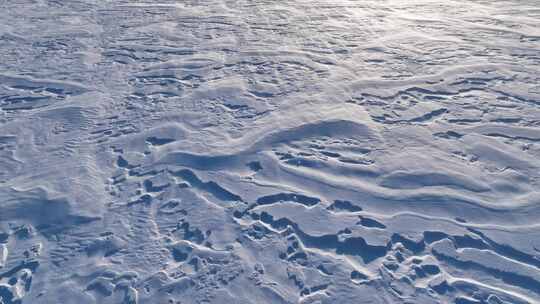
(269, 152)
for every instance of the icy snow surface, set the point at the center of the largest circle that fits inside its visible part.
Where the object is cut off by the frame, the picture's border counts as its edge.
(261, 151)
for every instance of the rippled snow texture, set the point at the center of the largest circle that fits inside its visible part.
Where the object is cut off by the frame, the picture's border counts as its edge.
(261, 151)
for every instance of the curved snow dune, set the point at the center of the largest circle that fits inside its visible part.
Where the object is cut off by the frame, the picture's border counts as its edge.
(330, 151)
(283, 127)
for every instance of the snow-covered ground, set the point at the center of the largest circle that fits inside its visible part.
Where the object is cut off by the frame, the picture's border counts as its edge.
(258, 151)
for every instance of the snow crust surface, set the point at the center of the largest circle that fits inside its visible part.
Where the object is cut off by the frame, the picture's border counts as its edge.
(255, 151)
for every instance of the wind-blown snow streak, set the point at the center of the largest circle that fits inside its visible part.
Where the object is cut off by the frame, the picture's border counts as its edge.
(269, 152)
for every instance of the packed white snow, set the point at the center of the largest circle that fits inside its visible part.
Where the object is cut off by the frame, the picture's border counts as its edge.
(256, 151)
